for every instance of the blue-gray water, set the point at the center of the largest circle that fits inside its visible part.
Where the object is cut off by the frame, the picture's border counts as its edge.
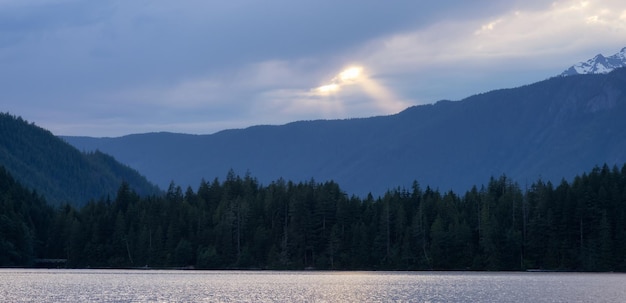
(28, 285)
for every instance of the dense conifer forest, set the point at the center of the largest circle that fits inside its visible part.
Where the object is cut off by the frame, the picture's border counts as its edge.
(239, 223)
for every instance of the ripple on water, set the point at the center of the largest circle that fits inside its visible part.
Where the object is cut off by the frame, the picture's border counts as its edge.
(26, 285)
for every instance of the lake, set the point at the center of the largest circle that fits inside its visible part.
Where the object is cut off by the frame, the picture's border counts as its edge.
(59, 285)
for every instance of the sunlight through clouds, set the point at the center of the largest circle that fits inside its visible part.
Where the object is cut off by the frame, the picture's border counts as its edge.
(449, 57)
(348, 76)
(328, 88)
(285, 104)
(216, 62)
(384, 100)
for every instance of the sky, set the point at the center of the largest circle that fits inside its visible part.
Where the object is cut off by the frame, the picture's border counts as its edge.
(110, 68)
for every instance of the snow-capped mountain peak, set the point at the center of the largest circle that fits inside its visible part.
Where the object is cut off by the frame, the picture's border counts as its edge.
(598, 64)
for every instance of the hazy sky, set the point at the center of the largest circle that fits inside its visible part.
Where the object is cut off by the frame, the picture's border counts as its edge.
(110, 68)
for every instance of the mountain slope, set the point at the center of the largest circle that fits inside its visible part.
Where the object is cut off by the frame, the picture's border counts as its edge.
(552, 129)
(598, 64)
(58, 171)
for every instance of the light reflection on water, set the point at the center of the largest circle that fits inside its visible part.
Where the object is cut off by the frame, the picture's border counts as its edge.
(33, 285)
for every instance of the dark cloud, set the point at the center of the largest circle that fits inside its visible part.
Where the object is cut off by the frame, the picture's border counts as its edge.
(246, 31)
(158, 40)
(28, 18)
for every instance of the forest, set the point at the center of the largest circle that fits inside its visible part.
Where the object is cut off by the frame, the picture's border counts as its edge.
(238, 223)
(59, 171)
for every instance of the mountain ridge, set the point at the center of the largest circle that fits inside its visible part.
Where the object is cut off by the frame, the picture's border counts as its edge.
(554, 129)
(598, 64)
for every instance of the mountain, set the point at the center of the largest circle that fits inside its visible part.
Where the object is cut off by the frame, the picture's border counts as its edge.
(552, 129)
(58, 171)
(598, 64)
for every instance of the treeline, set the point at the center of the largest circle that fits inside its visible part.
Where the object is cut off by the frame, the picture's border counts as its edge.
(24, 221)
(238, 223)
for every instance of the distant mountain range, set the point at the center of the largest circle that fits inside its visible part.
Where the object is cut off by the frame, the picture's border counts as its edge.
(552, 129)
(58, 171)
(598, 64)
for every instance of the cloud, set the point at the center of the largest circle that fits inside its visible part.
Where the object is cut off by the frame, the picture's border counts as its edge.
(488, 27)
(384, 101)
(515, 34)
(501, 50)
(257, 92)
(160, 65)
(297, 103)
(349, 76)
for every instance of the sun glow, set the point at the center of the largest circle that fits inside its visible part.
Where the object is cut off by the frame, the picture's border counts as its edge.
(382, 97)
(348, 76)
(326, 89)
(350, 73)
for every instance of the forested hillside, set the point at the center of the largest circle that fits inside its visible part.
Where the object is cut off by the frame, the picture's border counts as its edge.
(238, 223)
(551, 129)
(57, 170)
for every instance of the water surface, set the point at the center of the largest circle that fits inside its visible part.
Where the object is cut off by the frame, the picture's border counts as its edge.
(35, 285)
